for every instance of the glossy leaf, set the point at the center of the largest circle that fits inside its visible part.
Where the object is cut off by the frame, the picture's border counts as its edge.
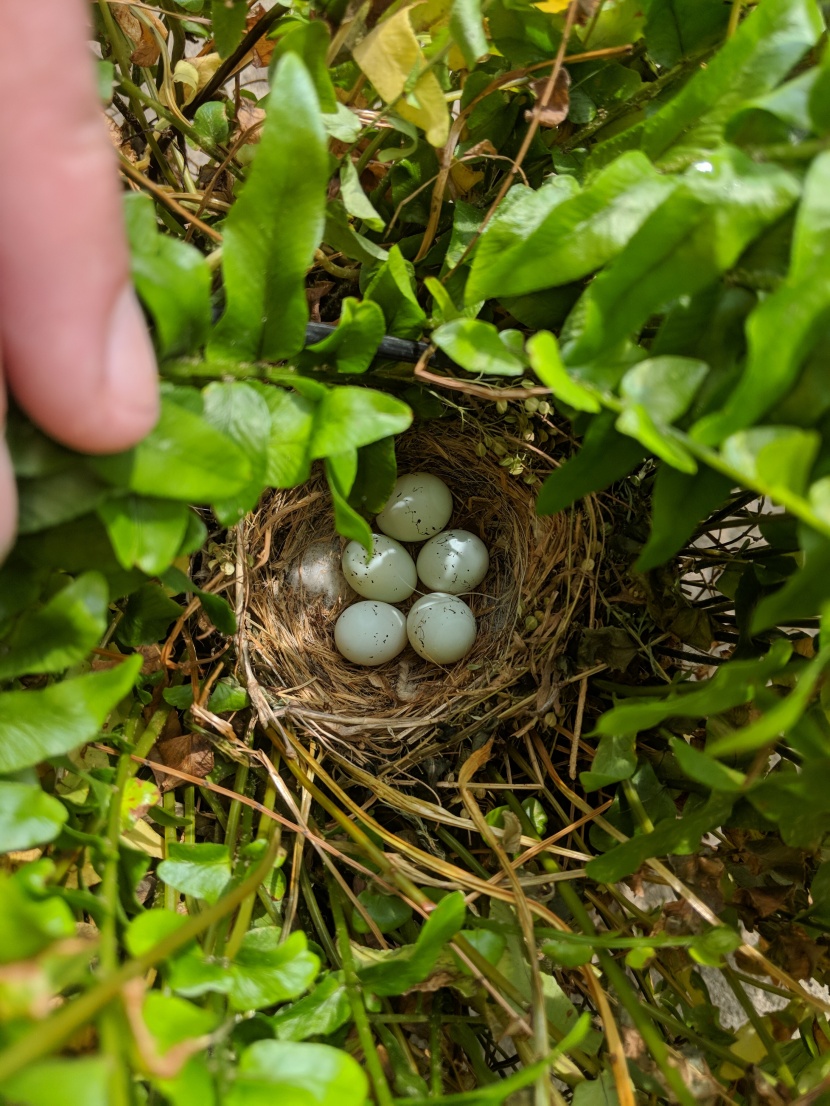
(605, 456)
(61, 632)
(171, 277)
(301, 1074)
(776, 458)
(28, 816)
(147, 614)
(37, 724)
(480, 348)
(276, 224)
(348, 418)
(352, 346)
(754, 60)
(322, 1012)
(783, 328)
(676, 29)
(182, 458)
(146, 533)
(467, 29)
(201, 870)
(697, 233)
(530, 248)
(393, 289)
(341, 472)
(356, 202)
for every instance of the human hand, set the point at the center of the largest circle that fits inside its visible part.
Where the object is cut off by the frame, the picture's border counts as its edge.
(75, 349)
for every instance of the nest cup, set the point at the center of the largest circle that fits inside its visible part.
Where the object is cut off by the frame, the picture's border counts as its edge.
(523, 608)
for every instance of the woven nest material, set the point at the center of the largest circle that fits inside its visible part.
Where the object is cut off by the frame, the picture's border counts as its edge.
(539, 579)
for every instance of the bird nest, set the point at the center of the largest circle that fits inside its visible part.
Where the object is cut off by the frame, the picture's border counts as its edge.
(538, 582)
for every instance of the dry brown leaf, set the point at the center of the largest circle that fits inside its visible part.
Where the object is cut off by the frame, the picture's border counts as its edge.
(122, 144)
(264, 48)
(188, 752)
(249, 120)
(140, 31)
(555, 111)
(511, 842)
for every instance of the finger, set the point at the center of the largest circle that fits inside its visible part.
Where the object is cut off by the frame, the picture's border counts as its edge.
(8, 487)
(76, 349)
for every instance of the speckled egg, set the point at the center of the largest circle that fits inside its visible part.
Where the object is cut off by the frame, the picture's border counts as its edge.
(441, 628)
(453, 561)
(387, 574)
(420, 505)
(370, 633)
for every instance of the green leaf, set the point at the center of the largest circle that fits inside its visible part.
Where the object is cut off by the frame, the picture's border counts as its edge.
(546, 360)
(145, 533)
(718, 207)
(597, 1092)
(754, 60)
(352, 346)
(787, 324)
(49, 500)
(704, 769)
(733, 684)
(677, 29)
(240, 412)
(215, 607)
(801, 596)
(796, 803)
(670, 836)
(356, 202)
(60, 633)
(311, 43)
(467, 30)
(605, 456)
(183, 458)
(534, 246)
(227, 695)
(265, 971)
(171, 277)
(774, 115)
(388, 912)
(29, 918)
(780, 719)
(775, 458)
(172, 1021)
(341, 235)
(288, 460)
(201, 870)
(664, 386)
(377, 470)
(348, 418)
(614, 760)
(480, 348)
(147, 614)
(322, 1012)
(411, 964)
(341, 471)
(275, 226)
(713, 946)
(28, 816)
(86, 1079)
(297, 1074)
(37, 724)
(393, 289)
(211, 122)
(679, 503)
(228, 21)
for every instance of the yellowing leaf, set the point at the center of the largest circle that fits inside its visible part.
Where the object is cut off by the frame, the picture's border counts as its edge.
(553, 6)
(388, 56)
(195, 73)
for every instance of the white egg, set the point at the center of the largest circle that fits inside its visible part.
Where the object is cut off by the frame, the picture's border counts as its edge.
(441, 628)
(420, 505)
(388, 574)
(453, 561)
(370, 633)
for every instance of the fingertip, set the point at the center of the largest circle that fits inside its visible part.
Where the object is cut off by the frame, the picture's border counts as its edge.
(130, 394)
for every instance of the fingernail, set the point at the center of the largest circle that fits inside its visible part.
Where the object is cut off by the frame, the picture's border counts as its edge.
(130, 366)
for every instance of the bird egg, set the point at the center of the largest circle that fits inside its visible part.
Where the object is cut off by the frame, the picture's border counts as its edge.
(441, 628)
(387, 574)
(420, 505)
(453, 561)
(370, 633)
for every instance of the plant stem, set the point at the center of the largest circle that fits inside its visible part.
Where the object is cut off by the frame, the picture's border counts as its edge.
(383, 1095)
(50, 1034)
